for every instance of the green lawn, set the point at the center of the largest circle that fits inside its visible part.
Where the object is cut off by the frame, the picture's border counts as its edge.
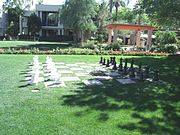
(33, 44)
(112, 109)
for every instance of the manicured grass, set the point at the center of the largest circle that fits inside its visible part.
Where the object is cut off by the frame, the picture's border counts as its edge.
(31, 45)
(112, 109)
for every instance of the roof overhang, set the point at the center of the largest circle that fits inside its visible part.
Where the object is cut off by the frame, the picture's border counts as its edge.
(129, 27)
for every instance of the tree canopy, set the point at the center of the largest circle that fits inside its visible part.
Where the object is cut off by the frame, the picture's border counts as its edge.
(79, 14)
(163, 12)
(34, 24)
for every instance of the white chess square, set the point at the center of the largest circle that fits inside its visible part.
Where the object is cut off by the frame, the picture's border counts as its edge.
(92, 82)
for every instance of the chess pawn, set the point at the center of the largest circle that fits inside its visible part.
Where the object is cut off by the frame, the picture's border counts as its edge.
(120, 67)
(104, 62)
(140, 67)
(132, 64)
(114, 66)
(113, 60)
(156, 76)
(125, 65)
(101, 60)
(132, 75)
(141, 76)
(146, 72)
(107, 64)
(125, 71)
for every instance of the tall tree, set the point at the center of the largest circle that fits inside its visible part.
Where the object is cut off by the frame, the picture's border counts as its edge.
(101, 20)
(78, 15)
(13, 12)
(163, 12)
(34, 24)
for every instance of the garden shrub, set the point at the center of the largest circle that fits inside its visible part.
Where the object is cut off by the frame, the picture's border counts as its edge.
(171, 49)
(165, 37)
(113, 46)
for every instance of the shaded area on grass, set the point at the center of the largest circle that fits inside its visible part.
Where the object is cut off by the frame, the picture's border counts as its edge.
(154, 105)
(39, 45)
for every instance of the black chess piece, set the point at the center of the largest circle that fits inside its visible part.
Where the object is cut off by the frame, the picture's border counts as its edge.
(104, 62)
(146, 72)
(101, 60)
(140, 67)
(121, 65)
(156, 75)
(125, 64)
(114, 66)
(107, 64)
(114, 60)
(141, 76)
(132, 73)
(111, 60)
(132, 64)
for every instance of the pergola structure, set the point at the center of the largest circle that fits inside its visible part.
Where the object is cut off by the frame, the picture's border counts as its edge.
(115, 27)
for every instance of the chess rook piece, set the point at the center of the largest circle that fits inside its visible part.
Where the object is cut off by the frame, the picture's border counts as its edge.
(104, 62)
(101, 60)
(107, 64)
(141, 76)
(156, 76)
(132, 74)
(114, 66)
(146, 72)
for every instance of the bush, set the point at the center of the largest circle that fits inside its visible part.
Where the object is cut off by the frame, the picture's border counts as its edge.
(171, 49)
(113, 46)
(165, 37)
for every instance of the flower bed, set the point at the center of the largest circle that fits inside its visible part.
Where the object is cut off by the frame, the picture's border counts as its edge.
(78, 52)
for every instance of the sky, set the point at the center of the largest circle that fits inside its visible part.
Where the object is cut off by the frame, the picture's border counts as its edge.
(60, 2)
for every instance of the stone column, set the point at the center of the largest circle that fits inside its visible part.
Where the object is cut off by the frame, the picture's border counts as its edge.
(62, 31)
(149, 40)
(138, 39)
(115, 36)
(109, 36)
(20, 24)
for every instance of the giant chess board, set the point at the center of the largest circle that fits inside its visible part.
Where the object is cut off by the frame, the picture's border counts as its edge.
(56, 74)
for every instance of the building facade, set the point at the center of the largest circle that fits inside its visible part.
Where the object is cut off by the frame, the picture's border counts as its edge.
(51, 24)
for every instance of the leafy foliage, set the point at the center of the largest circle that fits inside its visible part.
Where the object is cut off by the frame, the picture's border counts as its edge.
(34, 24)
(13, 13)
(79, 15)
(165, 37)
(163, 12)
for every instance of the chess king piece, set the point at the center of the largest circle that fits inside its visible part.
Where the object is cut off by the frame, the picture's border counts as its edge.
(156, 75)
(101, 60)
(114, 66)
(104, 62)
(121, 65)
(107, 64)
(146, 72)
